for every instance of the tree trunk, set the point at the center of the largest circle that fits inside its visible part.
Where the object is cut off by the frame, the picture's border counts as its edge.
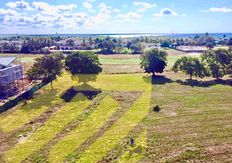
(51, 85)
(191, 77)
(153, 74)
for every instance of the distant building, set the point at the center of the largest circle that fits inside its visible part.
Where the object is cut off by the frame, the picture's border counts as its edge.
(9, 74)
(190, 49)
(64, 45)
(10, 46)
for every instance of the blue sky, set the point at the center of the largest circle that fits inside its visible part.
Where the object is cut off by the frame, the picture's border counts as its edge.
(114, 16)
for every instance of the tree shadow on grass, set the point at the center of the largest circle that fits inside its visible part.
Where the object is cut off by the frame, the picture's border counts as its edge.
(89, 91)
(196, 83)
(39, 99)
(157, 80)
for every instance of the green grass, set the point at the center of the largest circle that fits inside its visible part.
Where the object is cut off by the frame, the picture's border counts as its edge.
(193, 122)
(193, 125)
(119, 130)
(87, 128)
(45, 99)
(119, 61)
(123, 82)
(53, 126)
(136, 152)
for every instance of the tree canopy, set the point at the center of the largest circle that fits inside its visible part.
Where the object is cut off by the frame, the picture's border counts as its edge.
(46, 68)
(154, 61)
(191, 66)
(213, 64)
(84, 66)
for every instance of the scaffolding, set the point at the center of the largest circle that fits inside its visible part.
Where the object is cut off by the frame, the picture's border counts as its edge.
(8, 77)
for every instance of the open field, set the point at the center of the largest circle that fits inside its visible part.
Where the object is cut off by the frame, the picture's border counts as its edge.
(99, 120)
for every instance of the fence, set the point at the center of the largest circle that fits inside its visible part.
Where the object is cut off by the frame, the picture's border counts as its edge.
(12, 103)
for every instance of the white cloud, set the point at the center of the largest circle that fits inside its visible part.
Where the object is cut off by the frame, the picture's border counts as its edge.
(223, 9)
(116, 10)
(87, 5)
(144, 6)
(130, 16)
(4, 12)
(44, 16)
(164, 12)
(104, 8)
(21, 5)
(47, 9)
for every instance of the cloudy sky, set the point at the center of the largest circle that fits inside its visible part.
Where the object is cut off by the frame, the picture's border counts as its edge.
(115, 16)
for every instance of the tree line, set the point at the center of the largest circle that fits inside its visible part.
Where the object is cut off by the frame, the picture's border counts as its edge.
(85, 66)
(215, 63)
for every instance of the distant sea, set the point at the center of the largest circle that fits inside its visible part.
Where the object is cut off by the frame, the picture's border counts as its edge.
(125, 35)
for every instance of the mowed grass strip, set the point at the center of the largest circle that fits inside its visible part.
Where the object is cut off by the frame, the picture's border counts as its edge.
(14, 119)
(118, 131)
(20, 115)
(86, 129)
(123, 82)
(136, 152)
(53, 126)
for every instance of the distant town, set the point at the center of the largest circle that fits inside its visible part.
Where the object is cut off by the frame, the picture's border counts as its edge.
(108, 45)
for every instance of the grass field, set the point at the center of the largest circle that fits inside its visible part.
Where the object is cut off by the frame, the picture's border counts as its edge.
(192, 125)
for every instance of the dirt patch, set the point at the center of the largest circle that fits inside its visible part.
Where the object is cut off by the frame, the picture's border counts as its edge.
(219, 149)
(121, 68)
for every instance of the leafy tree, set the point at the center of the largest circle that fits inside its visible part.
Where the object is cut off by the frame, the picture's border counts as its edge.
(191, 66)
(154, 61)
(229, 42)
(70, 42)
(46, 68)
(225, 59)
(137, 48)
(108, 46)
(165, 44)
(223, 56)
(128, 45)
(210, 45)
(84, 66)
(213, 64)
(35, 45)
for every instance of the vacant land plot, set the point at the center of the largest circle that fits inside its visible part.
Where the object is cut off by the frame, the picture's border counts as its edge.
(113, 120)
(193, 124)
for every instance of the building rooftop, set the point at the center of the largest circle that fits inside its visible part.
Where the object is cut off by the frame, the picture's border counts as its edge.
(6, 61)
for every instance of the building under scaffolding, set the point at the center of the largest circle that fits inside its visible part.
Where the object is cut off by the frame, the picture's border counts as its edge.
(9, 74)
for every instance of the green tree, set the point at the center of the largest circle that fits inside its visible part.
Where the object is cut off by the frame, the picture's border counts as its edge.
(225, 59)
(84, 66)
(213, 64)
(137, 48)
(46, 68)
(108, 46)
(70, 42)
(154, 61)
(191, 66)
(229, 42)
(165, 44)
